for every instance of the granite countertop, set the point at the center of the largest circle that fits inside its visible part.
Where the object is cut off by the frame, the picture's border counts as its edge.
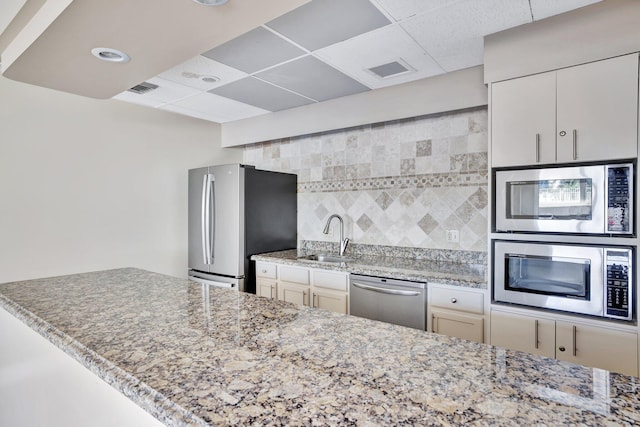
(193, 355)
(420, 270)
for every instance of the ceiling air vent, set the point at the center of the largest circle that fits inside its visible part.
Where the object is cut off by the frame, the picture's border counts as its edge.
(143, 88)
(391, 69)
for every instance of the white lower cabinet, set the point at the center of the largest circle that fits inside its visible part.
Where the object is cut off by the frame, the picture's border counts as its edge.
(266, 288)
(456, 312)
(328, 290)
(524, 333)
(455, 324)
(601, 347)
(330, 300)
(294, 293)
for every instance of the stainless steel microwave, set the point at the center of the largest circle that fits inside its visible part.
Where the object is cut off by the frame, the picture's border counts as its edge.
(590, 280)
(596, 199)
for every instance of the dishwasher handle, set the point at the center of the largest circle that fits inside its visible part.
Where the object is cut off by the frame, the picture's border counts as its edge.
(385, 290)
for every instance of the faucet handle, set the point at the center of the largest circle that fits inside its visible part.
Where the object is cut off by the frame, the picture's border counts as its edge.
(343, 245)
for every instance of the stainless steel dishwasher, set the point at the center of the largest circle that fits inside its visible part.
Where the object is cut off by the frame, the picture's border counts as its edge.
(389, 300)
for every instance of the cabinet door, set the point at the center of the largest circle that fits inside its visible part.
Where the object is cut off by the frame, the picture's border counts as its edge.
(598, 107)
(523, 118)
(454, 324)
(598, 347)
(524, 333)
(266, 288)
(293, 292)
(332, 301)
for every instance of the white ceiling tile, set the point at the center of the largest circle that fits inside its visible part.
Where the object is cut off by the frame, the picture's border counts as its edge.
(214, 108)
(254, 51)
(355, 56)
(191, 72)
(312, 78)
(261, 94)
(321, 23)
(167, 91)
(403, 9)
(545, 8)
(454, 36)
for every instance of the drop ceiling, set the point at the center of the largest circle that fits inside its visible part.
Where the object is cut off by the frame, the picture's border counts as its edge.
(298, 53)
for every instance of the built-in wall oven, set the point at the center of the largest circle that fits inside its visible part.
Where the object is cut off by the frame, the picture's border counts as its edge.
(589, 199)
(583, 279)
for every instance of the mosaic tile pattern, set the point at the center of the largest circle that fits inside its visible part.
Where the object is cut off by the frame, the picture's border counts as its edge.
(192, 355)
(399, 183)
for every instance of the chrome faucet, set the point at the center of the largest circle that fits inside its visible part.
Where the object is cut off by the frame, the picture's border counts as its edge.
(343, 242)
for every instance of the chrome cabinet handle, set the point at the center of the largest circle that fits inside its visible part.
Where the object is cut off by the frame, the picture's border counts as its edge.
(575, 333)
(575, 144)
(537, 148)
(313, 301)
(536, 333)
(385, 290)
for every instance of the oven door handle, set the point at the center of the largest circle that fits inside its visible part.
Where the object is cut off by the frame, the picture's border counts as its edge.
(385, 290)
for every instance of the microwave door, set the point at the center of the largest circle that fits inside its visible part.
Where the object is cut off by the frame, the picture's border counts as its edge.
(562, 200)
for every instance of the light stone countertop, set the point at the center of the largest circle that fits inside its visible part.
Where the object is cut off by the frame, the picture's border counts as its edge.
(419, 270)
(222, 357)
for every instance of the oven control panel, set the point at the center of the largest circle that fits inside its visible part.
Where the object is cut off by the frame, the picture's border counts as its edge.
(619, 196)
(618, 291)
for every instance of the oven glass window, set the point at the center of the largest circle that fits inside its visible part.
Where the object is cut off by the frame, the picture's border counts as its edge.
(554, 199)
(548, 275)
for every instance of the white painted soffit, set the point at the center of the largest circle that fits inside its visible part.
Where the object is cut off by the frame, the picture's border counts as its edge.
(53, 49)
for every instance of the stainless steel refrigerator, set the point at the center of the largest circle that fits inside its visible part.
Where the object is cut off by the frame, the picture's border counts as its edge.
(236, 211)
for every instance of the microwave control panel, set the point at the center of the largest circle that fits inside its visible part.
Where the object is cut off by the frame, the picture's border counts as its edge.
(619, 199)
(618, 291)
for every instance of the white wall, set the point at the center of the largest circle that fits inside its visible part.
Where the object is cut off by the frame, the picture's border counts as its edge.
(89, 184)
(447, 92)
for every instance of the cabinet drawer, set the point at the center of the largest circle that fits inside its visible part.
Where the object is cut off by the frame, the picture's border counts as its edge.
(330, 280)
(294, 274)
(264, 269)
(456, 299)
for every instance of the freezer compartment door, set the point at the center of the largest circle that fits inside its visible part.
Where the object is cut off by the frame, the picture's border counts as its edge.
(218, 281)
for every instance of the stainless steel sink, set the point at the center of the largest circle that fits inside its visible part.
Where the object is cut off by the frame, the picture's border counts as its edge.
(328, 258)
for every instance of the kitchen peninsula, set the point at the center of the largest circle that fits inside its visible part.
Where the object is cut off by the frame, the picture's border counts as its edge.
(194, 356)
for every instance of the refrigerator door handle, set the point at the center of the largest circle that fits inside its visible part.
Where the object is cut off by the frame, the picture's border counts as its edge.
(206, 219)
(203, 220)
(212, 216)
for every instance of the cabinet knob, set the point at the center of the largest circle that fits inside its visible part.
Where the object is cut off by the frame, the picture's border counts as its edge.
(264, 270)
(561, 348)
(453, 300)
(562, 133)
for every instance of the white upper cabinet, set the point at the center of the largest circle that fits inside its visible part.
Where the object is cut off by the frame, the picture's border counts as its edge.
(578, 114)
(523, 121)
(598, 110)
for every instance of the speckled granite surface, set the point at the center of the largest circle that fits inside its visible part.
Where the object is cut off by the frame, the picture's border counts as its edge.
(192, 356)
(420, 270)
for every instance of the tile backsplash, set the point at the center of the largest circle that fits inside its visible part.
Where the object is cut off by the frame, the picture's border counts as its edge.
(400, 183)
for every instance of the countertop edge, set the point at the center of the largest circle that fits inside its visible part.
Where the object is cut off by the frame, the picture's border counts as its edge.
(150, 400)
(373, 271)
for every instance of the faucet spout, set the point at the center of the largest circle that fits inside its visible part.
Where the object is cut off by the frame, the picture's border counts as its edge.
(343, 242)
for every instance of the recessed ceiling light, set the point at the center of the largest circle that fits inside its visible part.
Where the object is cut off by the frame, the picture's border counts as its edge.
(110, 55)
(209, 79)
(211, 2)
